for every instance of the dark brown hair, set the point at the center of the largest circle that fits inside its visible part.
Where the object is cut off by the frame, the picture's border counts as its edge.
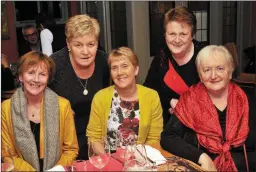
(181, 14)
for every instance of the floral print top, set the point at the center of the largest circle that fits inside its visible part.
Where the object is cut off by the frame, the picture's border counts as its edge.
(123, 115)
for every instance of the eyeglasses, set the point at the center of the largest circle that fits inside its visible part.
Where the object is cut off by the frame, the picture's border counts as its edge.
(31, 35)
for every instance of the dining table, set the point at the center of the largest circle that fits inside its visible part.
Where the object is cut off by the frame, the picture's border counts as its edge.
(116, 164)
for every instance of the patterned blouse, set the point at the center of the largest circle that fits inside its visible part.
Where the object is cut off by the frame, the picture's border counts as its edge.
(123, 115)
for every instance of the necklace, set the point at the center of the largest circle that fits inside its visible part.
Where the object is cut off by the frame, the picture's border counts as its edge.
(34, 111)
(85, 92)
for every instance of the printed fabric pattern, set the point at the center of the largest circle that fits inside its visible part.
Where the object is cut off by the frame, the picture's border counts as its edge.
(123, 115)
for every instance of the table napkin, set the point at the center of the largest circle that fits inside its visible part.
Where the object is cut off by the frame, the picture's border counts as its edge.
(57, 168)
(155, 155)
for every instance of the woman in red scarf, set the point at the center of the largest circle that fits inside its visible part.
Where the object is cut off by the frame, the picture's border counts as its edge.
(213, 116)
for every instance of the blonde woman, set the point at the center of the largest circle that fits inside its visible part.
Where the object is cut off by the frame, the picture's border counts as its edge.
(81, 71)
(211, 121)
(125, 105)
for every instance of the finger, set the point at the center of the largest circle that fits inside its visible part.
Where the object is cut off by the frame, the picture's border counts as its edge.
(170, 110)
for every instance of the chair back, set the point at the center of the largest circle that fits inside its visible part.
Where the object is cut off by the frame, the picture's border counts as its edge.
(234, 52)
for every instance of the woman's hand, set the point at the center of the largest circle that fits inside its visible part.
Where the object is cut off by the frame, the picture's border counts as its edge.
(173, 104)
(206, 162)
(4, 61)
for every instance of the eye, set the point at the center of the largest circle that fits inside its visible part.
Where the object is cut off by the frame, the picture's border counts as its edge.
(220, 69)
(43, 74)
(113, 68)
(183, 34)
(31, 72)
(91, 44)
(124, 65)
(171, 34)
(78, 45)
(206, 70)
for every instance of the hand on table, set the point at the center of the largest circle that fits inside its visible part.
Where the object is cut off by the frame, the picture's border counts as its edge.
(173, 104)
(206, 162)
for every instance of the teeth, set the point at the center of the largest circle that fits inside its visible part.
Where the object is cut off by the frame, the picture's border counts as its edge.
(33, 85)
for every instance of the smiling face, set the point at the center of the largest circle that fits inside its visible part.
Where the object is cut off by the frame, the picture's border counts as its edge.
(123, 73)
(215, 73)
(83, 50)
(178, 37)
(35, 79)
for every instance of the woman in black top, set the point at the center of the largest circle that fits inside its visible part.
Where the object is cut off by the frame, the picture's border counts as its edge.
(178, 54)
(81, 71)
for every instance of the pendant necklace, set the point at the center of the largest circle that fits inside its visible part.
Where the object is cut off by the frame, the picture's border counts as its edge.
(85, 92)
(34, 112)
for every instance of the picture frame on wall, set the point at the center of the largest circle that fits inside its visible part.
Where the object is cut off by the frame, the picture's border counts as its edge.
(4, 22)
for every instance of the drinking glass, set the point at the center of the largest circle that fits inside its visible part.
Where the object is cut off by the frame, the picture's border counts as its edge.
(136, 165)
(80, 165)
(140, 153)
(99, 153)
(71, 168)
(124, 138)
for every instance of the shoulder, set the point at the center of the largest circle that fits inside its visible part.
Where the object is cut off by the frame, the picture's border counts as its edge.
(46, 31)
(6, 104)
(104, 93)
(241, 95)
(60, 56)
(63, 102)
(198, 45)
(146, 91)
(101, 57)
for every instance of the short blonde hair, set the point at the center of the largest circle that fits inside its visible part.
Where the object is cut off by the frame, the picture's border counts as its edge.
(214, 51)
(181, 14)
(81, 25)
(124, 52)
(36, 58)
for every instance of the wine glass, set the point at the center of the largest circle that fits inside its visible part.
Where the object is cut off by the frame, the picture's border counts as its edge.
(140, 153)
(136, 165)
(71, 168)
(124, 137)
(99, 153)
(80, 165)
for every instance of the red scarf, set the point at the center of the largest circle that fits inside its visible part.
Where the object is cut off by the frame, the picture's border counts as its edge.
(196, 110)
(173, 80)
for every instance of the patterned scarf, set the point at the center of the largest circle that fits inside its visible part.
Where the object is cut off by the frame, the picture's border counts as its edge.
(24, 137)
(196, 110)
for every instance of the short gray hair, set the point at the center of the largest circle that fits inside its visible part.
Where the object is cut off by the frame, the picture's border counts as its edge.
(214, 51)
(28, 27)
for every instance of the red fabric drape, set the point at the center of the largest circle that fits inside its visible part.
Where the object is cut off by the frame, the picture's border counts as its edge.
(196, 110)
(173, 80)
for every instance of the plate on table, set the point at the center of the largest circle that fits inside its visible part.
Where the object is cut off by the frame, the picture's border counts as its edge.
(175, 163)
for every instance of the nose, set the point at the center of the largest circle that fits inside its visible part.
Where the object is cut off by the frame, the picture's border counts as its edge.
(119, 71)
(213, 74)
(36, 77)
(85, 50)
(177, 39)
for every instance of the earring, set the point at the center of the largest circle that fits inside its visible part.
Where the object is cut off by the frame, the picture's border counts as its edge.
(69, 50)
(22, 85)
